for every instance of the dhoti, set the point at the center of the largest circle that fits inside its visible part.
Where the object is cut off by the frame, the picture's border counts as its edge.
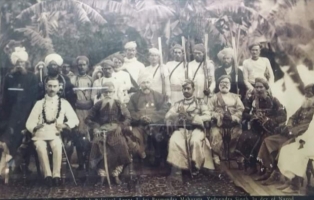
(199, 145)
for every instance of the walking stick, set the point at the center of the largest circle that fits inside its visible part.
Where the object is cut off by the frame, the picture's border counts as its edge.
(66, 156)
(207, 82)
(105, 157)
(187, 147)
(185, 64)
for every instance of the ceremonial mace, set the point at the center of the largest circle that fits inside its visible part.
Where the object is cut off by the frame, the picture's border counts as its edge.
(105, 157)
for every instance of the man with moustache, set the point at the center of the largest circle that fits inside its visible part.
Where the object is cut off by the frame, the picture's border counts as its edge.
(66, 70)
(46, 122)
(257, 67)
(199, 73)
(228, 68)
(160, 82)
(263, 114)
(176, 73)
(82, 87)
(53, 62)
(20, 91)
(195, 112)
(226, 109)
(297, 124)
(132, 65)
(148, 107)
(110, 118)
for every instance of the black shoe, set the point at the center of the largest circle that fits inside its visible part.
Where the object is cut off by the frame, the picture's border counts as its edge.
(48, 181)
(57, 181)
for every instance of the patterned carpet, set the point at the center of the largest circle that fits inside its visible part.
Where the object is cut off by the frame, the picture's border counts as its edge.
(146, 185)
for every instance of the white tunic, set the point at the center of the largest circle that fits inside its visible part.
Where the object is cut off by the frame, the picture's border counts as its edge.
(256, 69)
(158, 72)
(133, 67)
(198, 76)
(123, 78)
(48, 132)
(176, 79)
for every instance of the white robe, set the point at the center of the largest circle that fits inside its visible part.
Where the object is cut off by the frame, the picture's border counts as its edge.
(292, 160)
(134, 67)
(199, 77)
(176, 80)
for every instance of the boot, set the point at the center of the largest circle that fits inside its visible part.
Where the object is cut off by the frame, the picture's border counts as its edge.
(100, 182)
(294, 186)
(274, 177)
(265, 176)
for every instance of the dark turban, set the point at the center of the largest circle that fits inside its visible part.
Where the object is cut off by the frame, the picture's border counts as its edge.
(263, 81)
(188, 82)
(223, 77)
(107, 63)
(82, 58)
(177, 46)
(119, 57)
(199, 47)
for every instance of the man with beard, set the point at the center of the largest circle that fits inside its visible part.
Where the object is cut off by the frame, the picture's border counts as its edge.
(160, 77)
(297, 124)
(228, 68)
(66, 70)
(148, 107)
(107, 67)
(20, 91)
(176, 73)
(45, 123)
(194, 112)
(53, 63)
(202, 75)
(82, 87)
(226, 109)
(132, 65)
(263, 114)
(257, 67)
(109, 119)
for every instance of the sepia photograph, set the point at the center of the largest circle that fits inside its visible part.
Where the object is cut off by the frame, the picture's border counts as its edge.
(156, 98)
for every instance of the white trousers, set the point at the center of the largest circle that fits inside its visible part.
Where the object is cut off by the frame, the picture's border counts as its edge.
(56, 147)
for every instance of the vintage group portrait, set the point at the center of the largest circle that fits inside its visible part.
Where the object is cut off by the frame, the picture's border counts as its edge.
(167, 98)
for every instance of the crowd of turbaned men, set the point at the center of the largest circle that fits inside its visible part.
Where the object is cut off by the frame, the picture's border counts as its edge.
(188, 116)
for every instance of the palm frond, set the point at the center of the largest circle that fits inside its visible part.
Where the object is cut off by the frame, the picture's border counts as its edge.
(36, 39)
(124, 7)
(153, 11)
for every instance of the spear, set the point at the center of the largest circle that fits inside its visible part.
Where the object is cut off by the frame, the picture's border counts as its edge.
(207, 81)
(162, 67)
(184, 58)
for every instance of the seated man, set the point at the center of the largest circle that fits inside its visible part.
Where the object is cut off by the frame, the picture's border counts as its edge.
(293, 160)
(263, 114)
(194, 112)
(109, 119)
(148, 108)
(297, 124)
(46, 122)
(226, 109)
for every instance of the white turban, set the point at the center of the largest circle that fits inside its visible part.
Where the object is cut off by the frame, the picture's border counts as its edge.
(154, 51)
(130, 45)
(144, 77)
(19, 54)
(224, 52)
(53, 57)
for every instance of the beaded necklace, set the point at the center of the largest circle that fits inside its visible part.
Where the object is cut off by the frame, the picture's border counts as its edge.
(44, 112)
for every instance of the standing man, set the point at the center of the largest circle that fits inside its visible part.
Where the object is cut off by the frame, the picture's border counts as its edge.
(82, 87)
(176, 73)
(202, 72)
(20, 91)
(228, 68)
(194, 112)
(257, 67)
(109, 118)
(148, 107)
(46, 122)
(226, 109)
(132, 65)
(66, 70)
(122, 76)
(53, 62)
(160, 77)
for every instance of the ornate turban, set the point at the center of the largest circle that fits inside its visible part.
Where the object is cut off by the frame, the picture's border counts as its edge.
(154, 51)
(53, 57)
(144, 77)
(225, 52)
(130, 45)
(82, 58)
(107, 63)
(187, 82)
(199, 47)
(19, 54)
(119, 57)
(177, 46)
(263, 81)
(107, 86)
(223, 77)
